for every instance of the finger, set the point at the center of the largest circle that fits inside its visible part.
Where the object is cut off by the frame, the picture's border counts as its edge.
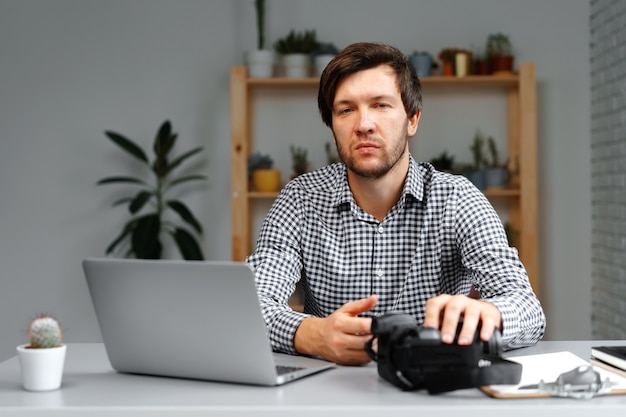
(434, 311)
(354, 308)
(471, 318)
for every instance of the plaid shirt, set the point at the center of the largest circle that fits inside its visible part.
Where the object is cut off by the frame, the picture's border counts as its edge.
(442, 236)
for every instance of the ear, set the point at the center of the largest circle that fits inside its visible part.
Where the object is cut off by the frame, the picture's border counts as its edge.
(413, 123)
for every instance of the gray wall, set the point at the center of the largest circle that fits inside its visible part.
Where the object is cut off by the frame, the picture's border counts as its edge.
(608, 168)
(72, 69)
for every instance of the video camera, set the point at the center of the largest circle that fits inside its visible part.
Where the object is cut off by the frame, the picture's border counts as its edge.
(413, 357)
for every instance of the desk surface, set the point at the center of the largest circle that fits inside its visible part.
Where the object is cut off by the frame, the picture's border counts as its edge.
(92, 387)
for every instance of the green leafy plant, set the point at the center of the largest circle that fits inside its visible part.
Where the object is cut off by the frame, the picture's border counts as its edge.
(44, 332)
(494, 154)
(299, 159)
(499, 44)
(260, 22)
(443, 162)
(258, 160)
(145, 228)
(477, 148)
(297, 43)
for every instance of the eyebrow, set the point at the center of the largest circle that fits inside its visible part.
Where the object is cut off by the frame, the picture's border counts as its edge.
(388, 97)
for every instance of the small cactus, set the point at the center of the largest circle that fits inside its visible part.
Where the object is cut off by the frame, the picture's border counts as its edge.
(45, 332)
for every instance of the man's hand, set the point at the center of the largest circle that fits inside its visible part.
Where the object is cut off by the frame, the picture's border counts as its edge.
(340, 337)
(444, 312)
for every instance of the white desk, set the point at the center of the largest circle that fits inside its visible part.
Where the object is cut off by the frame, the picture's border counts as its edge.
(92, 388)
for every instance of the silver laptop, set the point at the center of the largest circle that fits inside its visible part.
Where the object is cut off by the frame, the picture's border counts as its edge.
(187, 319)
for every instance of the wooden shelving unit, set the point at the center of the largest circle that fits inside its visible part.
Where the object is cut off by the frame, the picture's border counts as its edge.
(520, 93)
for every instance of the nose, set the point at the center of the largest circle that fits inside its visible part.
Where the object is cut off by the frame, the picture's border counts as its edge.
(365, 123)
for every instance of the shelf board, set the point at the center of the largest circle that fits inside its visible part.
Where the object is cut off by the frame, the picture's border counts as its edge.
(436, 80)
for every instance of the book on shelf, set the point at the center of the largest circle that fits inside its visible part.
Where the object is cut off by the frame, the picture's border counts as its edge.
(614, 356)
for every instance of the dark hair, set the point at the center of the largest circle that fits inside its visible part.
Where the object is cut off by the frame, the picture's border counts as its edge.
(362, 56)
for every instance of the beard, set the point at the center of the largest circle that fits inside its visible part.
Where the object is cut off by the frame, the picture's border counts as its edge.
(364, 168)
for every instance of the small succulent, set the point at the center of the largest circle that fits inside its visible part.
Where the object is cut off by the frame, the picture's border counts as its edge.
(44, 332)
(258, 160)
(299, 158)
(297, 42)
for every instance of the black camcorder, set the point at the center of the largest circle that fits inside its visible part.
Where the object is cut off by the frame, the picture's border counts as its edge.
(413, 357)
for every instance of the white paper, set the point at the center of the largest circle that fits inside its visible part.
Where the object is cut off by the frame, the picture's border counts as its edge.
(549, 366)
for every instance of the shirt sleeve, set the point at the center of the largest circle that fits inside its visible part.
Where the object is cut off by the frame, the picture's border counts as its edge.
(496, 270)
(277, 264)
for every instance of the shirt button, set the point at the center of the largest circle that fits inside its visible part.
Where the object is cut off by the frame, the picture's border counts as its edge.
(380, 229)
(379, 272)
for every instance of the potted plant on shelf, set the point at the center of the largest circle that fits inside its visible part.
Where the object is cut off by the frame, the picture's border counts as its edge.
(475, 172)
(42, 358)
(422, 61)
(144, 229)
(500, 54)
(261, 173)
(260, 61)
(299, 159)
(295, 49)
(495, 171)
(447, 58)
(323, 55)
(443, 162)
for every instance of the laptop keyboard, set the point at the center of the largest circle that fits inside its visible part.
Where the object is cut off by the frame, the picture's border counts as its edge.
(282, 369)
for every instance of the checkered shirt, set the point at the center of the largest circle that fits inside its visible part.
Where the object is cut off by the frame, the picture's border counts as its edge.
(442, 236)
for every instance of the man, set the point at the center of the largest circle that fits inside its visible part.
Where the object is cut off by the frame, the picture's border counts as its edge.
(380, 232)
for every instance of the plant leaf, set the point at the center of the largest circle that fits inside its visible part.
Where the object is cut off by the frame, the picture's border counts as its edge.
(164, 140)
(145, 237)
(128, 145)
(185, 214)
(180, 159)
(188, 246)
(186, 179)
(125, 232)
(111, 180)
(163, 143)
(122, 201)
(139, 201)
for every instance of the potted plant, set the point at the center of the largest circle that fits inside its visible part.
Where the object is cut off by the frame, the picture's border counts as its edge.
(299, 159)
(260, 61)
(500, 53)
(443, 162)
(475, 172)
(42, 358)
(295, 49)
(323, 55)
(261, 173)
(480, 63)
(447, 58)
(144, 229)
(495, 171)
(422, 61)
(462, 62)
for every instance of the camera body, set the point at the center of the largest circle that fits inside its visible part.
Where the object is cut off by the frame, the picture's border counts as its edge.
(414, 357)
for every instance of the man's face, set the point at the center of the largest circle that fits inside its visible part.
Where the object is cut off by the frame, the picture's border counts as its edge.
(370, 124)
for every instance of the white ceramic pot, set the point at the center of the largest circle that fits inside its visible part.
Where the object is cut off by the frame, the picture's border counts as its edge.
(260, 63)
(296, 65)
(321, 61)
(42, 369)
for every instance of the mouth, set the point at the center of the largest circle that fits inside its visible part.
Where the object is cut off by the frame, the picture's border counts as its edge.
(367, 147)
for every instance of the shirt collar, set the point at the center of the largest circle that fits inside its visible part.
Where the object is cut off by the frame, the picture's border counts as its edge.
(413, 185)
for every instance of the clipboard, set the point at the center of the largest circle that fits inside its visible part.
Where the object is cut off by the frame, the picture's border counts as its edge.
(548, 367)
